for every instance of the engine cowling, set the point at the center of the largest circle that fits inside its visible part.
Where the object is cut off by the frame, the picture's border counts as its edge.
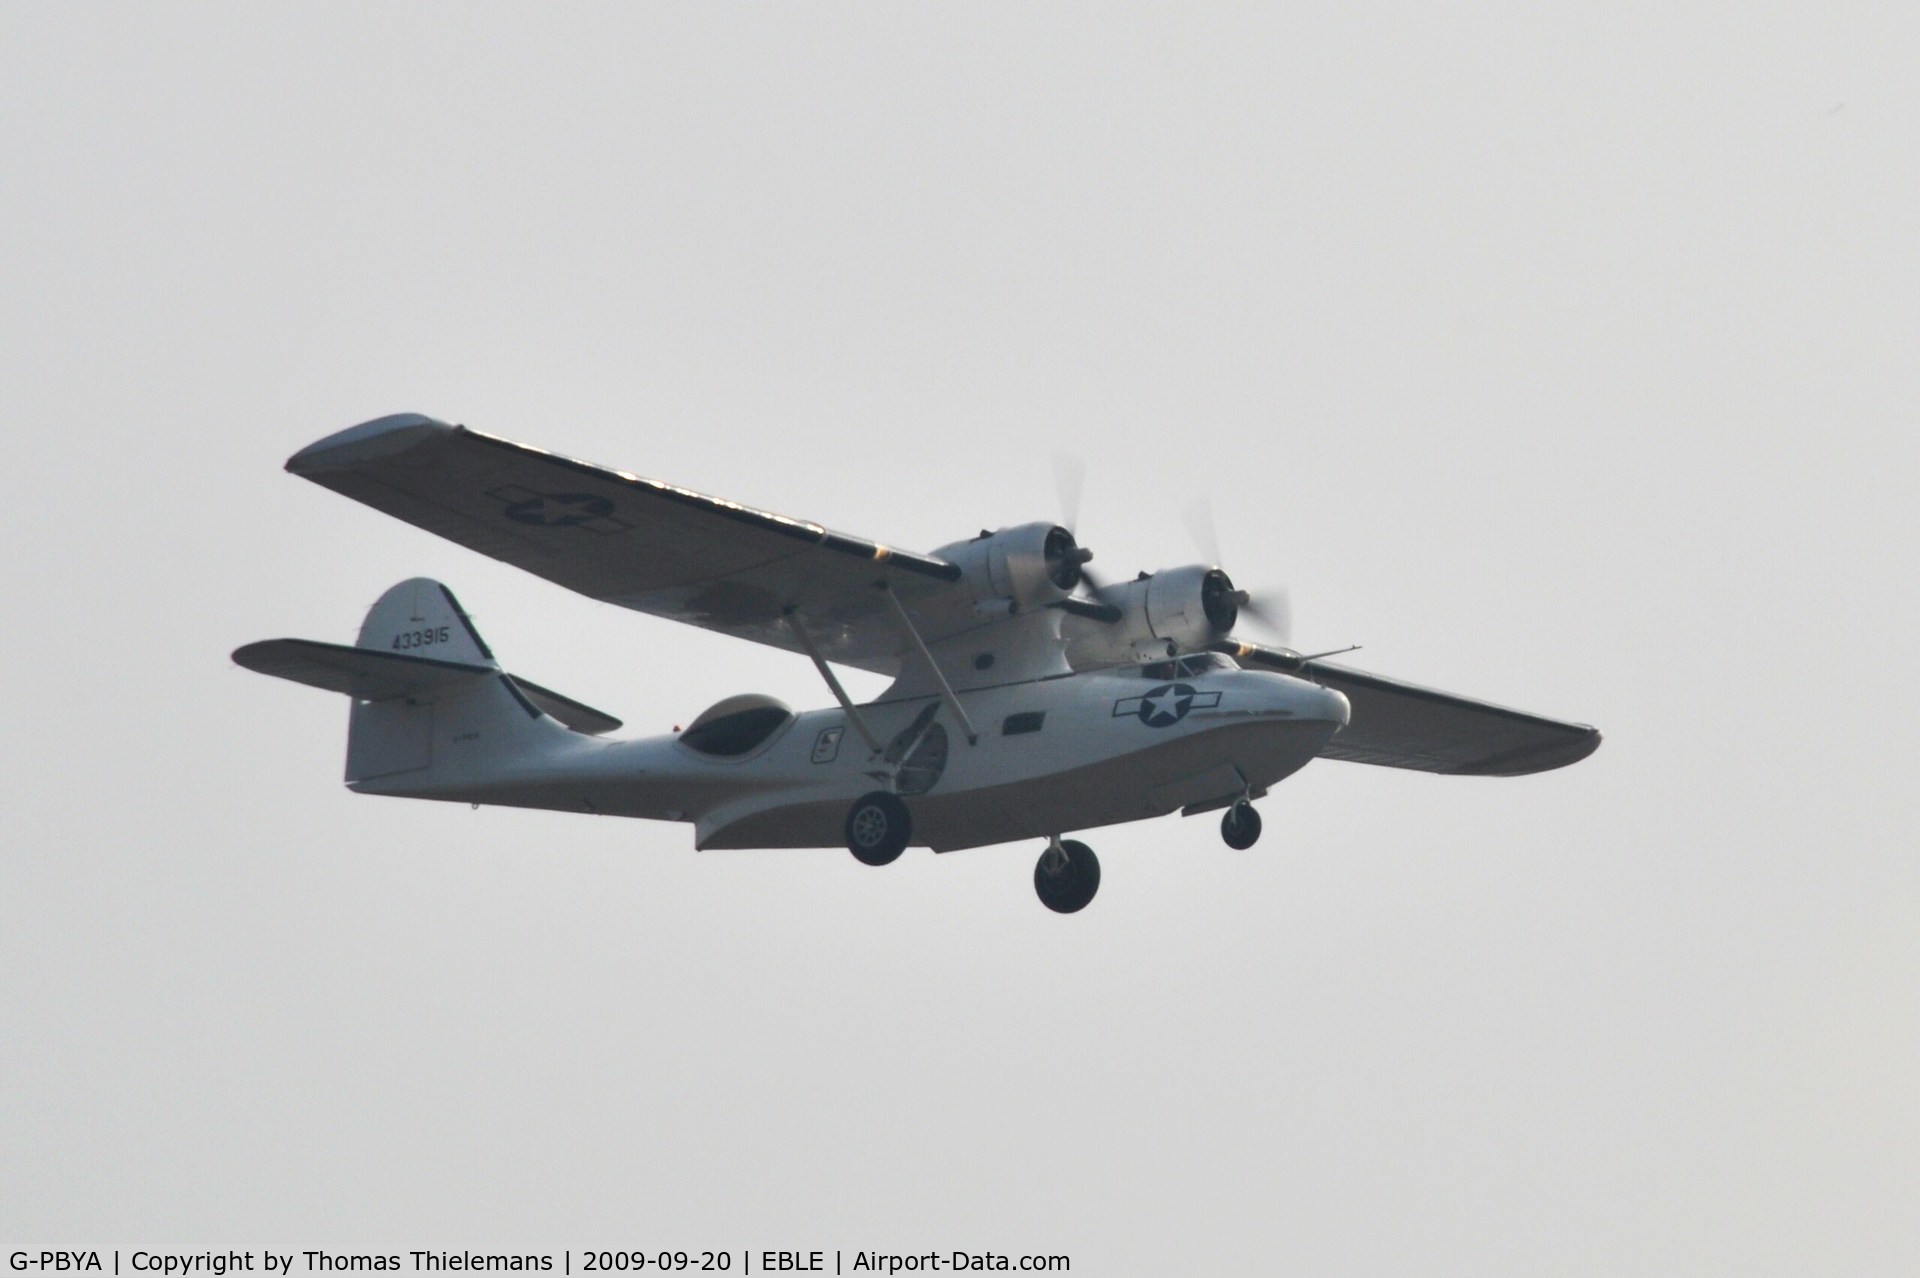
(1175, 611)
(1026, 567)
(1191, 606)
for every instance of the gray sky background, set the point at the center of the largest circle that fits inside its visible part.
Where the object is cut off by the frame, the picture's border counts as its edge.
(1562, 358)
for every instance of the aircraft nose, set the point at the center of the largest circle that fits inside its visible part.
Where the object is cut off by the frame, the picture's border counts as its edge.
(1327, 705)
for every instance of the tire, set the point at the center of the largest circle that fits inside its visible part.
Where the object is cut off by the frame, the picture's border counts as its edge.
(1068, 888)
(878, 827)
(1240, 827)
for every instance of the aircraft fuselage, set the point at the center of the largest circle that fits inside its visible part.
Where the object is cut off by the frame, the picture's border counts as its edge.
(1053, 755)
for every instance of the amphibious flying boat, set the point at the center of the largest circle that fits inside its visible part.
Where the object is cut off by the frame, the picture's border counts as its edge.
(1029, 700)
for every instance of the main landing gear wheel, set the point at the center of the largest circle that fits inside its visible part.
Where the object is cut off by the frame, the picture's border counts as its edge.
(1240, 827)
(1067, 876)
(878, 827)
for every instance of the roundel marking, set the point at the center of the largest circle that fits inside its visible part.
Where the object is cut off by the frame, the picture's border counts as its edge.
(560, 510)
(1166, 705)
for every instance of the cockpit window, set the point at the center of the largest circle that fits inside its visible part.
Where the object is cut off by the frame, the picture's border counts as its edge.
(736, 726)
(1184, 667)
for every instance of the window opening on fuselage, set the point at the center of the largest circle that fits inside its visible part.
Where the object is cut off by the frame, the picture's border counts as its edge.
(736, 726)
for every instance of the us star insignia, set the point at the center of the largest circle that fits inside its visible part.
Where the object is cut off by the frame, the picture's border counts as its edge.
(558, 510)
(1166, 705)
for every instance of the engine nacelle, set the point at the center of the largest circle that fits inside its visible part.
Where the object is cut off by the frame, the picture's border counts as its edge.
(1192, 606)
(1177, 611)
(1025, 567)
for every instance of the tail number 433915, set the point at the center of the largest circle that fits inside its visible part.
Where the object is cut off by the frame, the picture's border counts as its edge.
(421, 638)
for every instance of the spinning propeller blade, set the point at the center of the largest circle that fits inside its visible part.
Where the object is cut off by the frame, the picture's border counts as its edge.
(1070, 483)
(1206, 535)
(1270, 610)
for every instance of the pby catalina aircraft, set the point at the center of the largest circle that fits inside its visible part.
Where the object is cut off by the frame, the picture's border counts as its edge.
(1029, 700)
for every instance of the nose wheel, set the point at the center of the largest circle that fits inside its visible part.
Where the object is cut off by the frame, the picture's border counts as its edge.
(878, 827)
(1240, 827)
(1066, 876)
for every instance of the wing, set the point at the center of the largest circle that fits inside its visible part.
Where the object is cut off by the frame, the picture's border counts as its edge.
(635, 542)
(1402, 725)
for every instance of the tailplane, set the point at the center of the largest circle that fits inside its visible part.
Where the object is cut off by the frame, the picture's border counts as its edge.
(432, 709)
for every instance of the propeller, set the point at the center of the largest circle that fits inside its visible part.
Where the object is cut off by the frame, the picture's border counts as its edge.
(1226, 606)
(1270, 610)
(1066, 558)
(1070, 482)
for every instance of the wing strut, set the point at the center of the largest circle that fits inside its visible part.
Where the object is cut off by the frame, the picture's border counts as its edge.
(826, 672)
(946, 689)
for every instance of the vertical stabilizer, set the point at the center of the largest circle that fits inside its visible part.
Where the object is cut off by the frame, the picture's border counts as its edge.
(421, 618)
(436, 738)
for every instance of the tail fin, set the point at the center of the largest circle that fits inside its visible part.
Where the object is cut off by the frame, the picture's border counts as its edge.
(421, 618)
(433, 712)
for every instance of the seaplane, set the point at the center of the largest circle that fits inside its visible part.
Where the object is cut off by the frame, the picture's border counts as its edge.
(1029, 698)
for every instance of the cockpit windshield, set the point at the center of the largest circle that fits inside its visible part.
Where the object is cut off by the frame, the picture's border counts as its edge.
(1185, 667)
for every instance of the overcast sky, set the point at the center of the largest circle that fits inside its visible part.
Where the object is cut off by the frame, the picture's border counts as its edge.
(1564, 359)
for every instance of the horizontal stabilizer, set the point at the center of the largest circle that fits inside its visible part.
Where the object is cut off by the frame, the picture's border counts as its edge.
(580, 718)
(364, 674)
(368, 674)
